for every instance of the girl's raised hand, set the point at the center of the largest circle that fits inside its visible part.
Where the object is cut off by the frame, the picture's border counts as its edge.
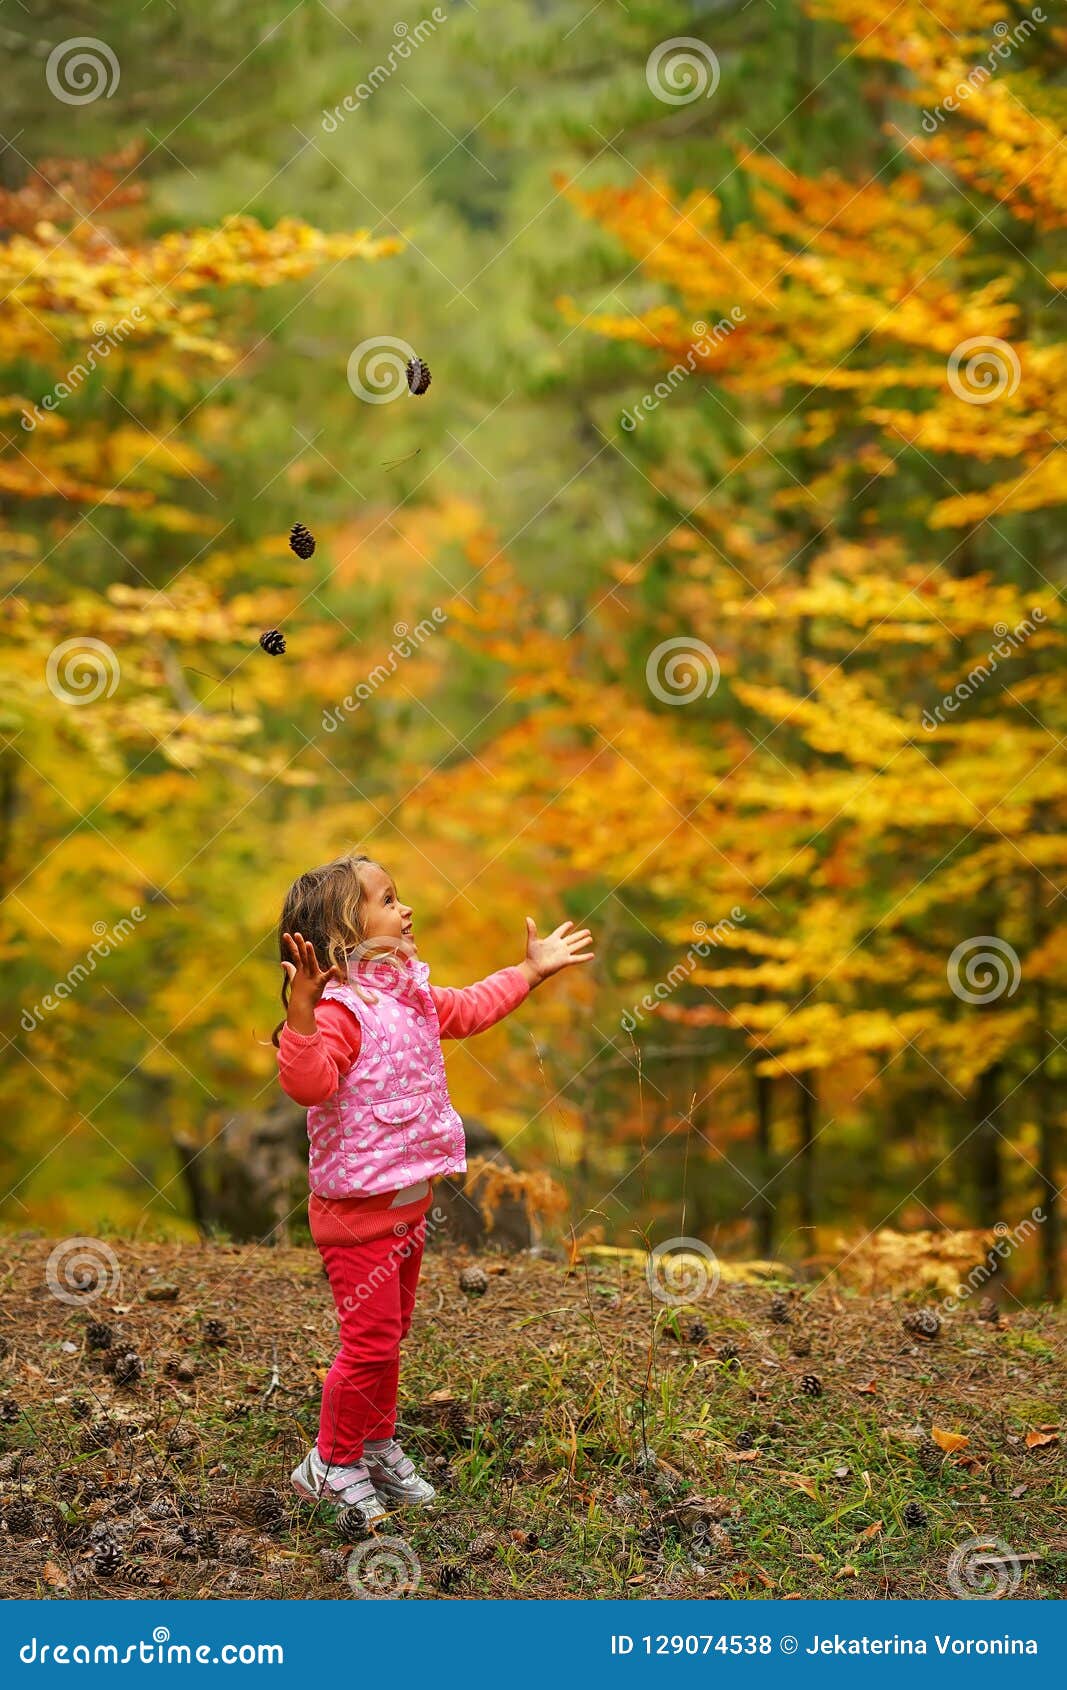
(308, 981)
(556, 950)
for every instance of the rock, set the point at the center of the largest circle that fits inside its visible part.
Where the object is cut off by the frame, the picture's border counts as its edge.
(161, 1293)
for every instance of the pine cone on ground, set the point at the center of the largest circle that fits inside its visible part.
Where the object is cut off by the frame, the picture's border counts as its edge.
(811, 1385)
(214, 1332)
(128, 1368)
(300, 541)
(474, 1281)
(208, 1544)
(131, 1572)
(800, 1344)
(268, 1510)
(98, 1435)
(21, 1517)
(930, 1457)
(108, 1559)
(729, 1353)
(744, 1439)
(923, 1323)
(779, 1311)
(80, 1409)
(695, 1332)
(351, 1523)
(98, 1335)
(9, 1412)
(241, 1552)
(915, 1515)
(988, 1310)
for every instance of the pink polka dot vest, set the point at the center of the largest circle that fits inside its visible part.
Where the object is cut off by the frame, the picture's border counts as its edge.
(390, 1123)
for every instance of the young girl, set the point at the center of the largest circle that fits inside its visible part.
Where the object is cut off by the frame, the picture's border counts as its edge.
(361, 1047)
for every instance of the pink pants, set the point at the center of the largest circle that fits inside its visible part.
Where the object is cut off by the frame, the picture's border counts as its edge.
(373, 1286)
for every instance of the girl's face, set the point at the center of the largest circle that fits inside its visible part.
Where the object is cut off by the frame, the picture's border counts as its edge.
(384, 916)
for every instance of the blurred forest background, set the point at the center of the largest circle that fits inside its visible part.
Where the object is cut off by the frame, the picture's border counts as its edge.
(743, 452)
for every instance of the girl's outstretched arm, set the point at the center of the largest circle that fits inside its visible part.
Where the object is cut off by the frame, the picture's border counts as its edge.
(465, 1010)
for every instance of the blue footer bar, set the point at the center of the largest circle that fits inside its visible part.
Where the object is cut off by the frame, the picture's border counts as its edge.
(516, 1645)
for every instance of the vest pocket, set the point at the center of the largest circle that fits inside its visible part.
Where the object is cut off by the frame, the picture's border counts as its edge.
(395, 1111)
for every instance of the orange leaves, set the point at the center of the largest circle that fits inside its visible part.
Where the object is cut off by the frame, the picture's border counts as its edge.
(950, 1442)
(1041, 1439)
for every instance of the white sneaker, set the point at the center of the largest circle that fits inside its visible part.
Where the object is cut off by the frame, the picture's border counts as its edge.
(394, 1477)
(338, 1487)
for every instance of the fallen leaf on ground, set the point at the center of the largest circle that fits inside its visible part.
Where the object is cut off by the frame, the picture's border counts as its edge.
(949, 1441)
(870, 1531)
(870, 1389)
(1038, 1440)
(54, 1575)
(799, 1482)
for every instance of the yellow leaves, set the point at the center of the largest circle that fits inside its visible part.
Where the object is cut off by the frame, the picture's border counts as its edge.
(950, 1442)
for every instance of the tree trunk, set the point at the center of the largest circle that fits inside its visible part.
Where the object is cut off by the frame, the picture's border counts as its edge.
(762, 1206)
(1047, 1124)
(988, 1177)
(806, 1100)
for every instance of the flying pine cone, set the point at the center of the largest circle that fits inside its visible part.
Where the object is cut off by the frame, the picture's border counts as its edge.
(419, 377)
(273, 642)
(301, 542)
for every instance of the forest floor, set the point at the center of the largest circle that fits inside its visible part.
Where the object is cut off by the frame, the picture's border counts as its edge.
(531, 1407)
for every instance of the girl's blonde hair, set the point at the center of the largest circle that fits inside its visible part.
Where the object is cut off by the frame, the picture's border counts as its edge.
(326, 907)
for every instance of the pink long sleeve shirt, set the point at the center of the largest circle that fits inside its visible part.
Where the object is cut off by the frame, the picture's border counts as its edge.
(311, 1065)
